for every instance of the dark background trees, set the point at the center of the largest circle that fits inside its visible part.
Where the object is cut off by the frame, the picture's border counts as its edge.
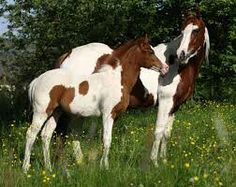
(42, 30)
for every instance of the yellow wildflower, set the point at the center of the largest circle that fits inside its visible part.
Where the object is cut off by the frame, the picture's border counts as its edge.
(187, 165)
(196, 178)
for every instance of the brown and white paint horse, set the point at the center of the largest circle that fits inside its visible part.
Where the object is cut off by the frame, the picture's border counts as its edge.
(106, 92)
(178, 84)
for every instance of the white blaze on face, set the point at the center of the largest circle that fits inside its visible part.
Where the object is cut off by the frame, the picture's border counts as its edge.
(186, 39)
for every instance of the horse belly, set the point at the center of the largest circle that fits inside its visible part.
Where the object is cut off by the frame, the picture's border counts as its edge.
(87, 105)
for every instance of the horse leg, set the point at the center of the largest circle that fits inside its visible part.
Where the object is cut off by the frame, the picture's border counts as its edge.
(167, 135)
(37, 123)
(46, 136)
(165, 105)
(134, 102)
(107, 136)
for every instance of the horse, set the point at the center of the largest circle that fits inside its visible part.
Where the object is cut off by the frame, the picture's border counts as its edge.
(144, 93)
(177, 86)
(105, 92)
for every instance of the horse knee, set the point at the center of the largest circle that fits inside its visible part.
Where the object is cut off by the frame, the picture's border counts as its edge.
(107, 142)
(45, 136)
(167, 134)
(159, 133)
(32, 131)
(119, 108)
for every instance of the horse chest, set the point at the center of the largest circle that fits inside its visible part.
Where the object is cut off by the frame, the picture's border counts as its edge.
(168, 90)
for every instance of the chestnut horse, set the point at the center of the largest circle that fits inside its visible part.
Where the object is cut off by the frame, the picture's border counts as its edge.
(178, 84)
(105, 92)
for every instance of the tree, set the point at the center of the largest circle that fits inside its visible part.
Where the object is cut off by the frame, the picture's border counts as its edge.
(41, 30)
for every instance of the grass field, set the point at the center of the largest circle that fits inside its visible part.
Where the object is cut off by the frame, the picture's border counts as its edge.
(201, 152)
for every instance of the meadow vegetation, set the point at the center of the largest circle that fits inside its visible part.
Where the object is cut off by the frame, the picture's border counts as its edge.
(201, 152)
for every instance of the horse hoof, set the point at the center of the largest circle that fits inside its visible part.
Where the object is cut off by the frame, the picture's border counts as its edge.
(104, 165)
(25, 168)
(164, 161)
(155, 163)
(79, 161)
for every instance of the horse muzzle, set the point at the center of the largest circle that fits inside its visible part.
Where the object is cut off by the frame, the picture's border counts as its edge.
(164, 69)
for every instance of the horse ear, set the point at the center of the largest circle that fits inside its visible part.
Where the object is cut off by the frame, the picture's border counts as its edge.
(146, 38)
(187, 13)
(143, 43)
(198, 13)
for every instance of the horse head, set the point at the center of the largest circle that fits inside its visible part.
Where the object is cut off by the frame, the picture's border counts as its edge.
(148, 58)
(194, 37)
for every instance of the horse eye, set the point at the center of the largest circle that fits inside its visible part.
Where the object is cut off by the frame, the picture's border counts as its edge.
(195, 31)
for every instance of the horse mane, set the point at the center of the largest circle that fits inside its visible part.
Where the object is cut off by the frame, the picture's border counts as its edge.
(106, 59)
(207, 41)
(127, 46)
(61, 59)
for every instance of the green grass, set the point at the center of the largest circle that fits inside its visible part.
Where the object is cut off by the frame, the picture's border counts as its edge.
(201, 152)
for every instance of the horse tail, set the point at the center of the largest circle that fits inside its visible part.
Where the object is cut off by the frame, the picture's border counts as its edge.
(61, 59)
(31, 89)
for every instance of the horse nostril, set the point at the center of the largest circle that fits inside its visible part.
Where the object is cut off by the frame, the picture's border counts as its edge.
(182, 55)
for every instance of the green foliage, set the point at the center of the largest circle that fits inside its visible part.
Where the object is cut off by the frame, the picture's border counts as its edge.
(201, 152)
(42, 30)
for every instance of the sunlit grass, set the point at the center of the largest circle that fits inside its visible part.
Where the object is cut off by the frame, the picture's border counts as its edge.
(201, 152)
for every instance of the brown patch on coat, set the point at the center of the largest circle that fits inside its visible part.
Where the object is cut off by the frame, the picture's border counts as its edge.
(67, 98)
(55, 95)
(106, 59)
(149, 100)
(83, 88)
(61, 59)
(59, 95)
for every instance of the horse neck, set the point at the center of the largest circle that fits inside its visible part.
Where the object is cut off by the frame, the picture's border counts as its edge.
(199, 58)
(129, 74)
(193, 65)
(172, 46)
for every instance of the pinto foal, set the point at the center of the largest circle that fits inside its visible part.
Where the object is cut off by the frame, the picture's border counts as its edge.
(105, 92)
